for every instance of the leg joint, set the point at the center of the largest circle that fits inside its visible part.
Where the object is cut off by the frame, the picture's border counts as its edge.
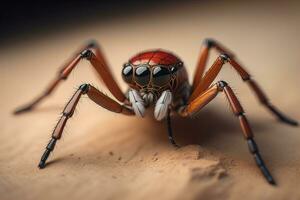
(87, 54)
(246, 78)
(84, 88)
(224, 57)
(222, 84)
(252, 146)
(51, 144)
(209, 42)
(239, 113)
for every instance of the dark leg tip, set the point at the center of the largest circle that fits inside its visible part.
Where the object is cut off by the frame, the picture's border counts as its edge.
(46, 154)
(176, 145)
(272, 182)
(22, 110)
(270, 179)
(267, 175)
(172, 141)
(282, 117)
(289, 121)
(42, 165)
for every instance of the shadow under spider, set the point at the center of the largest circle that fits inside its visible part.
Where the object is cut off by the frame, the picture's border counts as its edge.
(209, 125)
(207, 128)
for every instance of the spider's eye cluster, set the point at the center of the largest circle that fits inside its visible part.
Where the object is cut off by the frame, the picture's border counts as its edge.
(127, 73)
(161, 76)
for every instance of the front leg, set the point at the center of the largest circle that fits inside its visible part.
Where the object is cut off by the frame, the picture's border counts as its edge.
(96, 96)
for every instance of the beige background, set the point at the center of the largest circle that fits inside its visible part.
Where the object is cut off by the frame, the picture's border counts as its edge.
(104, 155)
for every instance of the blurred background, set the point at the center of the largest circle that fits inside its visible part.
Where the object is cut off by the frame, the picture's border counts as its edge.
(108, 156)
(29, 19)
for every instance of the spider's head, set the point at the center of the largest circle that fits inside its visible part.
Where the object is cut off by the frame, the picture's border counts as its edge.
(156, 77)
(150, 80)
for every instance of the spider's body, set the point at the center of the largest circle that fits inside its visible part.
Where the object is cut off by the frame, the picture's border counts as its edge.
(159, 78)
(150, 73)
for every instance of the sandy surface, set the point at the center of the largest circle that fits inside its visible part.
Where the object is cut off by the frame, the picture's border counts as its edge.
(104, 155)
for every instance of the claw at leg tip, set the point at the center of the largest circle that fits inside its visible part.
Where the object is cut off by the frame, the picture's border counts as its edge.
(42, 165)
(21, 110)
(295, 123)
(17, 111)
(290, 121)
(176, 146)
(272, 182)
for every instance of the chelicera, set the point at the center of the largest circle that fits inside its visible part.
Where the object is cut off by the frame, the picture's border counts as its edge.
(158, 79)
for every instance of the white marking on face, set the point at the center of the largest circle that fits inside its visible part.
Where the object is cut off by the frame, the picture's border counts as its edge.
(148, 98)
(136, 102)
(162, 104)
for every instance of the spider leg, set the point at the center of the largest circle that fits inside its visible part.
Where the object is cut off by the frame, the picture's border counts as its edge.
(96, 96)
(207, 45)
(170, 130)
(93, 54)
(199, 102)
(202, 83)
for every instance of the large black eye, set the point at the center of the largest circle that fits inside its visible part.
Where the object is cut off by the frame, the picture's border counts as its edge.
(127, 73)
(161, 76)
(142, 75)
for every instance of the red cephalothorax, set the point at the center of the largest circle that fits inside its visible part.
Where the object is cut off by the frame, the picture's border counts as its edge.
(159, 78)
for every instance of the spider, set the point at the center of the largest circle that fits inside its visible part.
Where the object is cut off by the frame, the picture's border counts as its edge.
(158, 79)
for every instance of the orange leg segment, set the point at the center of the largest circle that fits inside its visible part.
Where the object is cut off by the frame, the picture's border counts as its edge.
(207, 96)
(96, 96)
(212, 73)
(92, 53)
(208, 44)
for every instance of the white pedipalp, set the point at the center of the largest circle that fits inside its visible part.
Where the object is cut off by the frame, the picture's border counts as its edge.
(136, 102)
(162, 104)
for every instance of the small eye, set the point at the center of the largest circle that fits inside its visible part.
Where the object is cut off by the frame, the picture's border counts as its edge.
(127, 73)
(161, 76)
(174, 69)
(142, 75)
